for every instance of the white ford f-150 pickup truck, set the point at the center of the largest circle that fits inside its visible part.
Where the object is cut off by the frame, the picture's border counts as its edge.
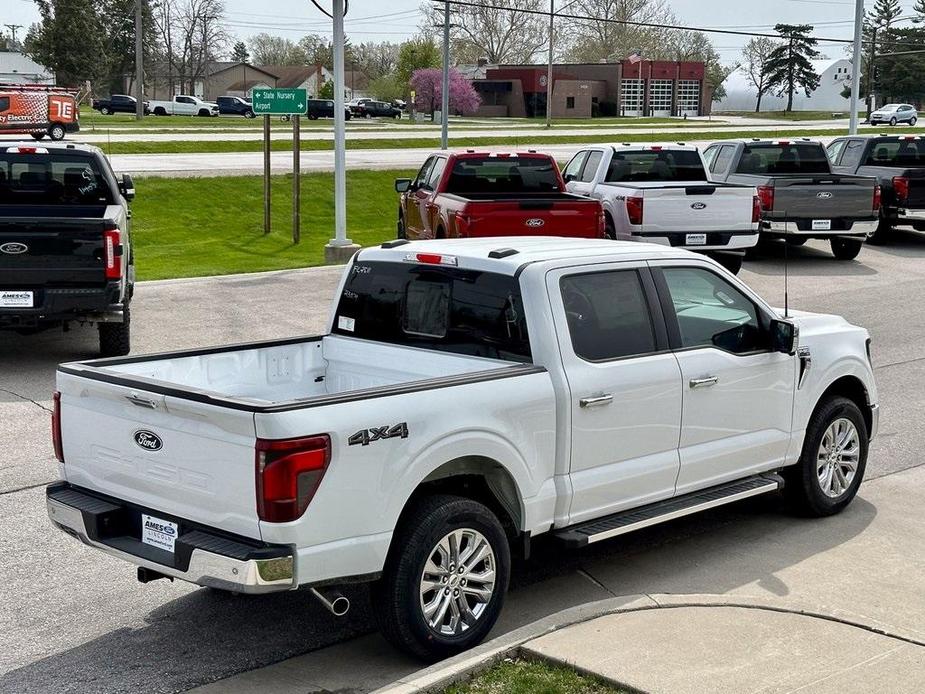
(469, 395)
(661, 193)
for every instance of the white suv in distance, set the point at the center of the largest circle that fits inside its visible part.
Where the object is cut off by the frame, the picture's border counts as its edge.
(895, 113)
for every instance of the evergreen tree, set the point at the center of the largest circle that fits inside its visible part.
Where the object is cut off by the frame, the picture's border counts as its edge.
(788, 66)
(885, 12)
(239, 53)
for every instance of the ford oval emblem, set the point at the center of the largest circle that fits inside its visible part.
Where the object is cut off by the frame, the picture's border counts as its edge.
(698, 206)
(823, 195)
(14, 248)
(535, 222)
(148, 440)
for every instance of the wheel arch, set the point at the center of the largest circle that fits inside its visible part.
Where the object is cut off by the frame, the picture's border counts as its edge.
(852, 388)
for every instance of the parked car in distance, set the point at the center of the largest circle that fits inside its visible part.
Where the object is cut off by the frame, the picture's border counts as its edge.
(467, 397)
(118, 103)
(184, 105)
(323, 108)
(234, 106)
(400, 104)
(377, 109)
(894, 114)
(38, 112)
(801, 198)
(898, 164)
(493, 194)
(66, 254)
(660, 193)
(354, 104)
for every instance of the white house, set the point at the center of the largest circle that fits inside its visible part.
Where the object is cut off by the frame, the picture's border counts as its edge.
(18, 68)
(834, 76)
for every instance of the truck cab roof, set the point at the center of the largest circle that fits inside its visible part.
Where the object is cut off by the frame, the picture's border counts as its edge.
(508, 254)
(50, 146)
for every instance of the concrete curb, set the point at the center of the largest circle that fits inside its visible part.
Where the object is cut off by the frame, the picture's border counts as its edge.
(470, 663)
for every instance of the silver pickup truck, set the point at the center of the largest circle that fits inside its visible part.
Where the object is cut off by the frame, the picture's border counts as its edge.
(800, 196)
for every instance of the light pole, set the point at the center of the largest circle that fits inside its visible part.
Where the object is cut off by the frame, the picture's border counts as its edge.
(445, 100)
(856, 66)
(552, 27)
(139, 58)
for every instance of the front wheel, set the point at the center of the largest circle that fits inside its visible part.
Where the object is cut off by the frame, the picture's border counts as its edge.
(402, 232)
(913, 120)
(116, 338)
(106, 111)
(845, 249)
(832, 463)
(445, 579)
(893, 120)
(250, 114)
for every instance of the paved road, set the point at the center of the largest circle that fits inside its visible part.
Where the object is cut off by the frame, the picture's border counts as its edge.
(75, 620)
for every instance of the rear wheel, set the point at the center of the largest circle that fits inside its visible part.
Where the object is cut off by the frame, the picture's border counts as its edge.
(845, 249)
(884, 227)
(57, 132)
(115, 338)
(444, 581)
(610, 231)
(832, 463)
(796, 240)
(730, 261)
(38, 136)
(160, 111)
(106, 111)
(250, 114)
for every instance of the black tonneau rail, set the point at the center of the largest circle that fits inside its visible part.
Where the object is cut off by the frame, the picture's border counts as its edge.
(96, 370)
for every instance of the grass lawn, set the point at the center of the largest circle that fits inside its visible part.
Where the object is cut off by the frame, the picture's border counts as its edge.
(783, 115)
(181, 147)
(532, 677)
(189, 227)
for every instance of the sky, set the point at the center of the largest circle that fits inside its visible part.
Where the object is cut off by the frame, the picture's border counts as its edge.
(397, 20)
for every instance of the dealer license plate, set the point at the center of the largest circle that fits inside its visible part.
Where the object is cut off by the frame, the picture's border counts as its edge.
(822, 224)
(12, 299)
(158, 533)
(696, 239)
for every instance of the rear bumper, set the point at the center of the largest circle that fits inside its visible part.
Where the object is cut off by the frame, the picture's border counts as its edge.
(97, 305)
(861, 228)
(910, 215)
(715, 240)
(201, 556)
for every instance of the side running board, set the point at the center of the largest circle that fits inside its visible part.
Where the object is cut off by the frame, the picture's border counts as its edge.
(662, 511)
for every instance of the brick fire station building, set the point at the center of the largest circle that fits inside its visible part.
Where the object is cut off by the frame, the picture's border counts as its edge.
(645, 88)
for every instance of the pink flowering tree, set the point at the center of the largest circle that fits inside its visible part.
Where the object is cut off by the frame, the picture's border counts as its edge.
(427, 84)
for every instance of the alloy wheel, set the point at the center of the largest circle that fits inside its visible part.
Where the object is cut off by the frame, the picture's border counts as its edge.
(838, 457)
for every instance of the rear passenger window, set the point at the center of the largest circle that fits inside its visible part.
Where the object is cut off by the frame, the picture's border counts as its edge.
(433, 178)
(573, 168)
(594, 160)
(723, 159)
(607, 314)
(853, 151)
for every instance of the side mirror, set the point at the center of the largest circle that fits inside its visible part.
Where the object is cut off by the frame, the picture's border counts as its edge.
(128, 187)
(784, 336)
(402, 185)
(569, 177)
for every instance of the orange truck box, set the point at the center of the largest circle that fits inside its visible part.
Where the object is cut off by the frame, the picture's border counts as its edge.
(38, 111)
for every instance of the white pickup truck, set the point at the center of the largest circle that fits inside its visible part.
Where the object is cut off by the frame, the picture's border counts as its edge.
(184, 105)
(469, 395)
(661, 194)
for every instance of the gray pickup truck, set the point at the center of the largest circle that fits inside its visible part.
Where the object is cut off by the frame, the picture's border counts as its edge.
(898, 164)
(801, 198)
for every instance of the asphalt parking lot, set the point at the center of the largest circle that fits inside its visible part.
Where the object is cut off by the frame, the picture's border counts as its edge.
(75, 620)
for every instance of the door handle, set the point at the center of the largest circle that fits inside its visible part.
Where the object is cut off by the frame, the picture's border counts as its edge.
(141, 402)
(704, 382)
(596, 401)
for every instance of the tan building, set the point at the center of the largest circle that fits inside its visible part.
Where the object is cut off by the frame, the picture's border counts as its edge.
(241, 78)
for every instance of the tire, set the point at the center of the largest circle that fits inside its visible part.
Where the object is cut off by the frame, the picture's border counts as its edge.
(106, 111)
(115, 338)
(160, 111)
(796, 240)
(57, 132)
(820, 484)
(38, 136)
(440, 233)
(883, 230)
(250, 114)
(402, 233)
(204, 113)
(893, 120)
(368, 116)
(610, 231)
(912, 121)
(845, 249)
(424, 539)
(731, 261)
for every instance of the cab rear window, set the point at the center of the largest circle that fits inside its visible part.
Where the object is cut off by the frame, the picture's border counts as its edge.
(808, 158)
(668, 165)
(435, 307)
(503, 175)
(51, 179)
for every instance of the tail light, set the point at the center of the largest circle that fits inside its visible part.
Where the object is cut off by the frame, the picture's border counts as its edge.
(463, 223)
(766, 197)
(56, 428)
(901, 188)
(288, 474)
(601, 224)
(756, 209)
(431, 259)
(877, 198)
(112, 253)
(634, 210)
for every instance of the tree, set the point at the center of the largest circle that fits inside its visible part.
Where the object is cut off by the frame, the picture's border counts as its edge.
(416, 54)
(320, 51)
(275, 50)
(491, 29)
(900, 77)
(695, 46)
(428, 92)
(70, 40)
(788, 65)
(327, 90)
(375, 60)
(239, 53)
(603, 36)
(386, 88)
(755, 55)
(192, 35)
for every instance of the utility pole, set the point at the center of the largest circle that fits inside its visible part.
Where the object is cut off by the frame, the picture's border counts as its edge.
(552, 17)
(445, 101)
(13, 29)
(139, 58)
(870, 72)
(856, 66)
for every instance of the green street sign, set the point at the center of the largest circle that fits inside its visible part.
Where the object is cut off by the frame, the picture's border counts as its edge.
(279, 102)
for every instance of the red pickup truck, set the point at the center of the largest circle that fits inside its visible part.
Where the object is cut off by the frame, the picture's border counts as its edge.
(482, 194)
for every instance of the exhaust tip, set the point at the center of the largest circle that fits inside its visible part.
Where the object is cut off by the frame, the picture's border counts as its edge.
(335, 602)
(340, 606)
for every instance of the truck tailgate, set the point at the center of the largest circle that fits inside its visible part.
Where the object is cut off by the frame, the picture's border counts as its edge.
(697, 207)
(185, 459)
(831, 197)
(562, 215)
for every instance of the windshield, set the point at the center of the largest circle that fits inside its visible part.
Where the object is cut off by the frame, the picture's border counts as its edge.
(677, 165)
(53, 178)
(434, 307)
(503, 175)
(808, 158)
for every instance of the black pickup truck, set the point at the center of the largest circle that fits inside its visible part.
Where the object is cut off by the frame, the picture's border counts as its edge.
(65, 245)
(118, 103)
(898, 163)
